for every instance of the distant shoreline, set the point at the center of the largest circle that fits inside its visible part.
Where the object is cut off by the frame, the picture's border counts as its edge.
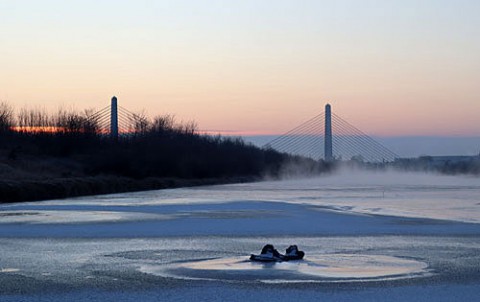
(12, 191)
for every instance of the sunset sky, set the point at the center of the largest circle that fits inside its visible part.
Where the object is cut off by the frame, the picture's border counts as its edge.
(391, 68)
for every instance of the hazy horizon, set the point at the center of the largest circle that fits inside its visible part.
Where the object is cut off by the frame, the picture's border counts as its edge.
(410, 146)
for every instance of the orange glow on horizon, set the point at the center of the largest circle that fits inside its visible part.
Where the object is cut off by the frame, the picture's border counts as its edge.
(54, 129)
(38, 129)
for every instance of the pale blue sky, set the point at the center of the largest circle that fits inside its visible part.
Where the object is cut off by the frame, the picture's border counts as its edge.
(389, 67)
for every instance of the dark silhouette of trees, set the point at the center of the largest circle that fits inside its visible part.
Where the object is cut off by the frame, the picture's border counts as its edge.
(160, 147)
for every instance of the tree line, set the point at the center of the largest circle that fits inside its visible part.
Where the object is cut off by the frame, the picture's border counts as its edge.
(157, 147)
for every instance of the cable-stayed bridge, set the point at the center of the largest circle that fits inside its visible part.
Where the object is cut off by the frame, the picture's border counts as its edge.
(326, 136)
(329, 137)
(116, 120)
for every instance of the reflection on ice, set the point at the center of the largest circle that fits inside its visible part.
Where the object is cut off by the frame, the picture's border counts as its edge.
(9, 270)
(49, 217)
(321, 268)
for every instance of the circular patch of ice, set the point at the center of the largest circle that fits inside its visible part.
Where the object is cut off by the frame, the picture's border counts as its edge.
(321, 268)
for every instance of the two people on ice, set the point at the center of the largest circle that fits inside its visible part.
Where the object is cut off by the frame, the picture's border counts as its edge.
(270, 254)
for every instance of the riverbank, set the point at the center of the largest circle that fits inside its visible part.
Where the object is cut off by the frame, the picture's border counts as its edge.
(57, 188)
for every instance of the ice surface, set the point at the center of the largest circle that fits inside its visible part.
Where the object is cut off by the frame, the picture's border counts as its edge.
(366, 236)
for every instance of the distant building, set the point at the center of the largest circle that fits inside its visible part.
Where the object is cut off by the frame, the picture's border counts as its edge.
(427, 162)
(438, 161)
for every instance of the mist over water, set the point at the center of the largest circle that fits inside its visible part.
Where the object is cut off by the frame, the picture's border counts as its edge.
(390, 192)
(390, 177)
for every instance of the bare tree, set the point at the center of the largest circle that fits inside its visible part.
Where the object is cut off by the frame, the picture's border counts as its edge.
(35, 120)
(141, 123)
(69, 121)
(189, 128)
(163, 124)
(6, 117)
(90, 126)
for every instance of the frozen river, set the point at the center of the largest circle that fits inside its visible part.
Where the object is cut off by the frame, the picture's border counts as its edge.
(366, 237)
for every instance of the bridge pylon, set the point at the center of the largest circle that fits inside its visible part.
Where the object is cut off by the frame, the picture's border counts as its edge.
(114, 119)
(328, 144)
(329, 137)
